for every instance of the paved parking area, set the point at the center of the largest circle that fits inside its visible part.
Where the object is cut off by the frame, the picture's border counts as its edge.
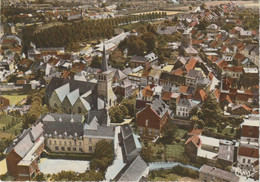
(51, 166)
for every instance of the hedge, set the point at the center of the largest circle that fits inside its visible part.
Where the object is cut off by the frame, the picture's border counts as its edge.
(68, 156)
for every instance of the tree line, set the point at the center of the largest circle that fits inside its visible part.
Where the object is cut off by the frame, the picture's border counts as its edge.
(68, 34)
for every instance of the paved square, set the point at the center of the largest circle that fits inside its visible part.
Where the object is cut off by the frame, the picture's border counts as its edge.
(52, 166)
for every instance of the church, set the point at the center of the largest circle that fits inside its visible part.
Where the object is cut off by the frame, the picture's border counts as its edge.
(78, 97)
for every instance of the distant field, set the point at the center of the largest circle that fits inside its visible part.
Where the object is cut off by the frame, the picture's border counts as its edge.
(14, 99)
(245, 3)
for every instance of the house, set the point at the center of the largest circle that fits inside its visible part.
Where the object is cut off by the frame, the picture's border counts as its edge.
(192, 145)
(145, 61)
(227, 153)
(76, 134)
(209, 173)
(200, 95)
(131, 147)
(248, 152)
(193, 77)
(154, 76)
(251, 75)
(23, 155)
(4, 103)
(152, 119)
(233, 72)
(240, 109)
(184, 107)
(171, 79)
(133, 171)
(190, 51)
(213, 28)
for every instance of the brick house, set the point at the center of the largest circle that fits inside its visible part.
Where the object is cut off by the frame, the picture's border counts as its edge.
(152, 119)
(23, 155)
(4, 103)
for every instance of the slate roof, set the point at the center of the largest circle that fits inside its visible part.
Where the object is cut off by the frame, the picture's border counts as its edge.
(195, 74)
(159, 107)
(101, 116)
(63, 124)
(186, 103)
(119, 75)
(23, 144)
(101, 132)
(133, 171)
(56, 83)
(219, 173)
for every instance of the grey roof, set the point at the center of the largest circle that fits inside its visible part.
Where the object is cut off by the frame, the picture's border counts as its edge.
(101, 132)
(195, 74)
(101, 116)
(159, 107)
(129, 144)
(226, 152)
(74, 84)
(58, 124)
(127, 71)
(147, 58)
(166, 30)
(120, 75)
(133, 171)
(186, 103)
(104, 66)
(25, 141)
(219, 173)
(126, 130)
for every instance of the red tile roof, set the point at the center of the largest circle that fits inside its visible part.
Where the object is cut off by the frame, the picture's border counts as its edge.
(248, 152)
(191, 64)
(183, 89)
(234, 69)
(195, 131)
(222, 64)
(194, 139)
(239, 57)
(178, 72)
(200, 95)
(166, 95)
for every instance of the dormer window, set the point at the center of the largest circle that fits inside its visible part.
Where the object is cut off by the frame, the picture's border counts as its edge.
(146, 122)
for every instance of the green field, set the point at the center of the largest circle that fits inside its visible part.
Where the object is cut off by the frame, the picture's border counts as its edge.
(14, 99)
(9, 126)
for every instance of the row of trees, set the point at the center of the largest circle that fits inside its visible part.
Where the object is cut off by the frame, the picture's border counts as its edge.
(69, 34)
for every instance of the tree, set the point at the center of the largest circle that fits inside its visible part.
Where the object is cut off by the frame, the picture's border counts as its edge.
(96, 62)
(168, 133)
(148, 153)
(150, 40)
(103, 157)
(210, 111)
(202, 25)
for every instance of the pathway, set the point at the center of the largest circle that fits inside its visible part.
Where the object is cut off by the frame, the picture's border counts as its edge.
(169, 165)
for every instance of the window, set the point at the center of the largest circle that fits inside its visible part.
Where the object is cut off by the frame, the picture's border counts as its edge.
(55, 142)
(79, 110)
(69, 149)
(249, 161)
(150, 131)
(90, 140)
(244, 161)
(179, 113)
(80, 149)
(90, 149)
(49, 142)
(75, 142)
(62, 148)
(80, 144)
(141, 130)
(74, 149)
(180, 109)
(59, 142)
(146, 122)
(56, 148)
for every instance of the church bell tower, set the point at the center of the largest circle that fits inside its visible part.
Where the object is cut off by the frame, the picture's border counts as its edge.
(105, 79)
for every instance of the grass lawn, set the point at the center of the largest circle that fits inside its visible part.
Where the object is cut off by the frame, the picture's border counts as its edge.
(5, 120)
(175, 150)
(15, 130)
(14, 99)
(180, 133)
(6, 135)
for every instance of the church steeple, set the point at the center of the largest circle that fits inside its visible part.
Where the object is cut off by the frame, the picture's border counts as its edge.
(104, 66)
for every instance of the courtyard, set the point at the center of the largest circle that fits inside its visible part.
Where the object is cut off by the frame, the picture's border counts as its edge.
(54, 166)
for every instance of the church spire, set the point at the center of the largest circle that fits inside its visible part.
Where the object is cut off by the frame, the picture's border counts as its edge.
(104, 66)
